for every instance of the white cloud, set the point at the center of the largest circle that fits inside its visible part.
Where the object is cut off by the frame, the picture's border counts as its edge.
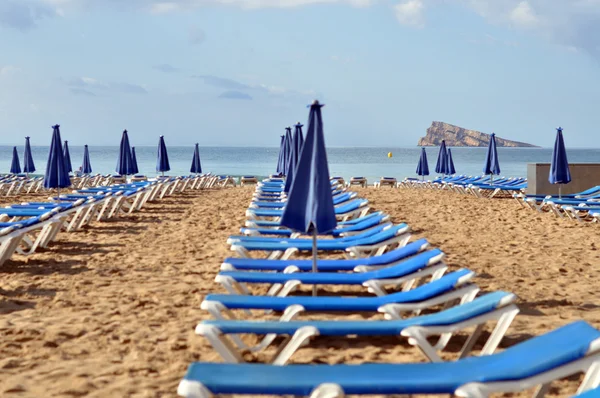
(570, 23)
(340, 59)
(7, 69)
(88, 86)
(164, 7)
(291, 3)
(523, 15)
(410, 12)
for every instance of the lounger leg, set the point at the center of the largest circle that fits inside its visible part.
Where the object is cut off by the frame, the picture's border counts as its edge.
(541, 390)
(290, 313)
(464, 294)
(436, 272)
(220, 343)
(328, 390)
(241, 251)
(8, 248)
(219, 311)
(289, 347)
(232, 286)
(284, 290)
(499, 331)
(591, 379)
(191, 389)
(74, 220)
(288, 253)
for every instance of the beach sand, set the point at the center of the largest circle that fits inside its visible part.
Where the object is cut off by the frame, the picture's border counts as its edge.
(110, 311)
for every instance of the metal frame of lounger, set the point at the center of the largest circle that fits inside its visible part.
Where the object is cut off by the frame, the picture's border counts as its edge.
(430, 270)
(399, 240)
(503, 314)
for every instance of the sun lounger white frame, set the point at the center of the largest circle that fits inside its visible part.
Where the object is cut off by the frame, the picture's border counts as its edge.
(362, 182)
(503, 315)
(400, 240)
(433, 270)
(391, 182)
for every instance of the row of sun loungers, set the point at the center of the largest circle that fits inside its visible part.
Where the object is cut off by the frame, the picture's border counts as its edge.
(12, 185)
(27, 226)
(405, 278)
(583, 206)
(479, 186)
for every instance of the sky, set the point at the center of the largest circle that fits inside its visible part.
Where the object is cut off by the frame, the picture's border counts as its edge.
(237, 72)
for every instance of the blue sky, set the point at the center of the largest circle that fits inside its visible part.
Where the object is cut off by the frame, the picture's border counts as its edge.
(236, 72)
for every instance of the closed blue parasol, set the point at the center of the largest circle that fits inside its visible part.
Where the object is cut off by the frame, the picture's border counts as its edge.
(280, 156)
(56, 176)
(310, 204)
(86, 166)
(559, 169)
(125, 161)
(28, 165)
(15, 165)
(441, 166)
(294, 156)
(300, 135)
(287, 150)
(162, 158)
(196, 166)
(492, 166)
(67, 157)
(134, 164)
(450, 167)
(423, 165)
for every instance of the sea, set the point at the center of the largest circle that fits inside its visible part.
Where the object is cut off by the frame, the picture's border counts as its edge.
(371, 163)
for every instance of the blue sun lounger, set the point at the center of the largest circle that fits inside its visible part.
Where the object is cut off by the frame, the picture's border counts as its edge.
(497, 306)
(369, 244)
(450, 287)
(587, 212)
(280, 196)
(275, 239)
(324, 265)
(341, 224)
(351, 209)
(27, 212)
(24, 234)
(13, 233)
(367, 224)
(541, 360)
(427, 264)
(592, 393)
(337, 200)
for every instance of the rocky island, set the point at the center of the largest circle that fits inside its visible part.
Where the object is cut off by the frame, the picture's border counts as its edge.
(458, 136)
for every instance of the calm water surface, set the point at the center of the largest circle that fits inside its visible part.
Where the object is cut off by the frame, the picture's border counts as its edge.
(372, 163)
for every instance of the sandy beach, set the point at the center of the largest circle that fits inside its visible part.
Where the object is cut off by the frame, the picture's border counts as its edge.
(110, 311)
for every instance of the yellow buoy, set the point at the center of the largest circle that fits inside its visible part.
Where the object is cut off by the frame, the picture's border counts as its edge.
(389, 154)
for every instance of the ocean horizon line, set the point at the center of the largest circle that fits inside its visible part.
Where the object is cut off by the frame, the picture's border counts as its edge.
(71, 145)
